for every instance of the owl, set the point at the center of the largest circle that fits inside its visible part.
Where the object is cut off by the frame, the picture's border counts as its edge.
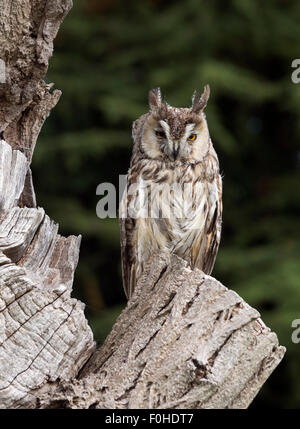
(173, 197)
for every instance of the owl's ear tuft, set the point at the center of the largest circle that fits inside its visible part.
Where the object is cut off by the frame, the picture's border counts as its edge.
(199, 102)
(155, 99)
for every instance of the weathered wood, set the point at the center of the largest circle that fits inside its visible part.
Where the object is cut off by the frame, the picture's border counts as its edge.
(13, 167)
(27, 199)
(43, 336)
(43, 331)
(183, 341)
(27, 31)
(17, 230)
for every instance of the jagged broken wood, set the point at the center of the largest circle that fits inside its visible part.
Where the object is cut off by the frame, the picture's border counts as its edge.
(39, 321)
(183, 341)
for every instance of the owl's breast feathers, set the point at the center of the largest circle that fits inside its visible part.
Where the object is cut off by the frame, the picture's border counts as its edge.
(175, 208)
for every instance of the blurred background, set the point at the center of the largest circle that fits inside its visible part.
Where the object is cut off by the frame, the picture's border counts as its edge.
(108, 54)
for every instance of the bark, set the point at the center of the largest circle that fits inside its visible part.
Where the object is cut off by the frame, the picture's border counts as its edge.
(183, 341)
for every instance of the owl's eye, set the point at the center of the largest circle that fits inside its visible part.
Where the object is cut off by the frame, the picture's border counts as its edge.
(192, 137)
(160, 134)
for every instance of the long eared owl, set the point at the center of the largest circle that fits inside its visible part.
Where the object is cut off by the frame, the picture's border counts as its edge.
(173, 196)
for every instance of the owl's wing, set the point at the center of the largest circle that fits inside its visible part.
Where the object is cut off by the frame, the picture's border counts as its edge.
(206, 243)
(128, 254)
(199, 238)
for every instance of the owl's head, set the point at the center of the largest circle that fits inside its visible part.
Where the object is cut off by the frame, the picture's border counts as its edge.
(175, 134)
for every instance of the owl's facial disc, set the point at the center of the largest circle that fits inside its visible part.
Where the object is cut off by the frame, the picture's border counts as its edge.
(176, 146)
(175, 137)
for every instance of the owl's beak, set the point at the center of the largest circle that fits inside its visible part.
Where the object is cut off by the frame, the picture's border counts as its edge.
(175, 150)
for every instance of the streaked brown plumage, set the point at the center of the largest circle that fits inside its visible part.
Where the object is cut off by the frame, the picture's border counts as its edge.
(173, 199)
